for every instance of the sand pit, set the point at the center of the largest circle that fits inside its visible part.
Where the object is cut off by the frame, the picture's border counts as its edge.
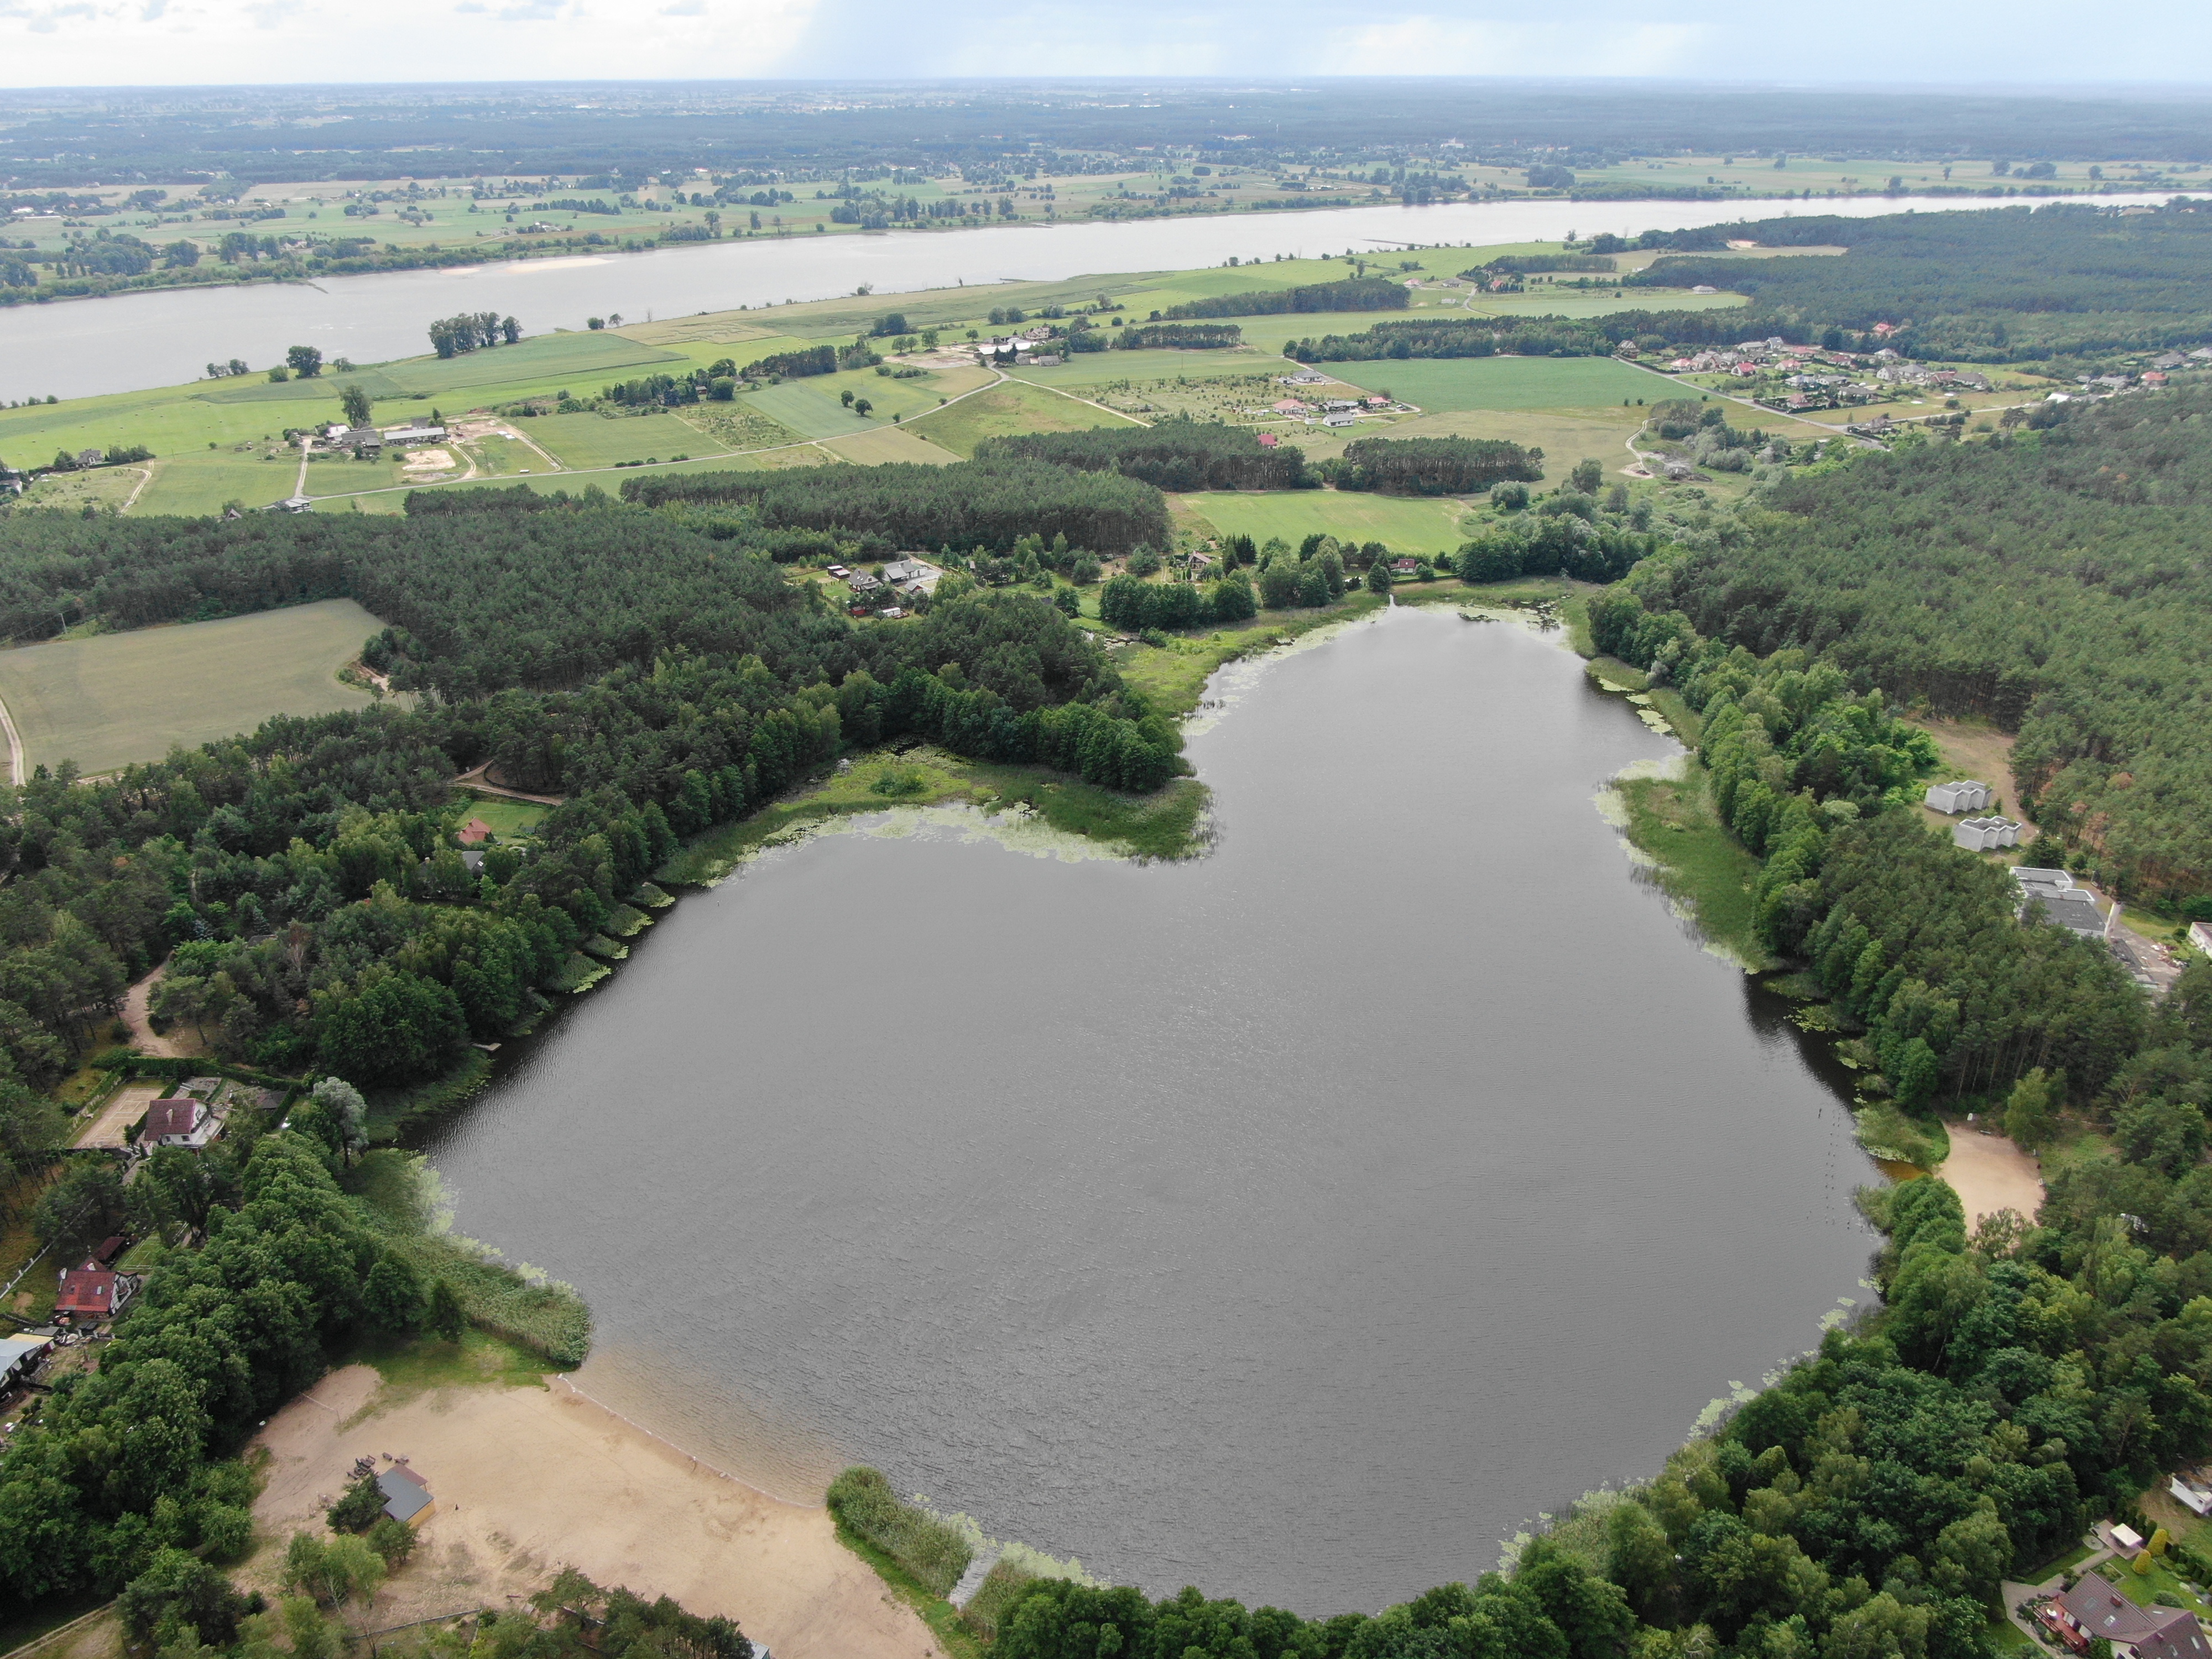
(528, 1480)
(1990, 1174)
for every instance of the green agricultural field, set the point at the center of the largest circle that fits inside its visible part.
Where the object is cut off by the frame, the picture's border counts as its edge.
(1456, 383)
(195, 484)
(113, 699)
(1412, 524)
(1006, 411)
(594, 441)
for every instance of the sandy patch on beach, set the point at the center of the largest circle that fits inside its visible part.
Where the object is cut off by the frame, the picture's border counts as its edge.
(1990, 1174)
(528, 1480)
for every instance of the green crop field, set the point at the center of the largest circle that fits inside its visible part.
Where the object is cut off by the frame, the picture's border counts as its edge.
(1455, 383)
(113, 699)
(591, 441)
(1091, 368)
(1404, 524)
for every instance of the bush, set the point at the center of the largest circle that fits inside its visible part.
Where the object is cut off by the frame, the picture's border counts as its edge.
(359, 1508)
(935, 1554)
(393, 1540)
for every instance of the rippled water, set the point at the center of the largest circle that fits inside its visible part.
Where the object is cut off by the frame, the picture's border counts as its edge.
(1296, 1222)
(75, 350)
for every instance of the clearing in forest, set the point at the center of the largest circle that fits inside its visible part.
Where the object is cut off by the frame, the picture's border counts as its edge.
(113, 699)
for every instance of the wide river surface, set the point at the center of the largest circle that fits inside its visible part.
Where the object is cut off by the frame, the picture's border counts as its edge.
(1297, 1221)
(80, 348)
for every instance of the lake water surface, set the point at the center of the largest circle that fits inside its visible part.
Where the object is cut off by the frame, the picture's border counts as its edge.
(125, 341)
(1295, 1222)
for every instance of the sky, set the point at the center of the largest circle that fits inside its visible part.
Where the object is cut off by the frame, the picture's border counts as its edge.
(48, 43)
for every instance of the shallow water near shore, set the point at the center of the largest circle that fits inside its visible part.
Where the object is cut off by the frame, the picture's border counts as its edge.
(1298, 1221)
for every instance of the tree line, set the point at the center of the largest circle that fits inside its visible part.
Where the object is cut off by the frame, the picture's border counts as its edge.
(970, 505)
(1351, 293)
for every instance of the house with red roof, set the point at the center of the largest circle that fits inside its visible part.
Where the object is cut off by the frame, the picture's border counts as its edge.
(475, 833)
(180, 1121)
(2094, 1607)
(92, 1292)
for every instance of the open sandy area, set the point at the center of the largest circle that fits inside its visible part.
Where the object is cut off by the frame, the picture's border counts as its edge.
(527, 1479)
(1990, 1174)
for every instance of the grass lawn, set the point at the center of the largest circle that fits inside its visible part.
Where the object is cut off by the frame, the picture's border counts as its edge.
(1404, 524)
(1565, 435)
(1457, 383)
(1174, 676)
(1003, 411)
(113, 699)
(101, 487)
(813, 407)
(509, 820)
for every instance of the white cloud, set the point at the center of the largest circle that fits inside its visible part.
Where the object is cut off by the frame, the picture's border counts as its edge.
(229, 42)
(1433, 43)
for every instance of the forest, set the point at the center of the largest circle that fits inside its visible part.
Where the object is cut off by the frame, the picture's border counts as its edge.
(663, 678)
(1434, 466)
(2007, 285)
(2052, 579)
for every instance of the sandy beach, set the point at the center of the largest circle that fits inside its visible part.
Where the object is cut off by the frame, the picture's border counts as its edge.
(1990, 1174)
(527, 1479)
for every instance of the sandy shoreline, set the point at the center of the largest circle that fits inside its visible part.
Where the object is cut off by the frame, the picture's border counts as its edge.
(1990, 1174)
(528, 1480)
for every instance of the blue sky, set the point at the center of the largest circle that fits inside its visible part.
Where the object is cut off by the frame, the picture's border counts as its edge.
(1967, 42)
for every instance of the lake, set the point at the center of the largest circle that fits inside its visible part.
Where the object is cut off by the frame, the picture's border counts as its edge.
(1296, 1221)
(78, 349)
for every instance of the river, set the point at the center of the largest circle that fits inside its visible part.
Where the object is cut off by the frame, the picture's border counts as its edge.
(1297, 1221)
(79, 349)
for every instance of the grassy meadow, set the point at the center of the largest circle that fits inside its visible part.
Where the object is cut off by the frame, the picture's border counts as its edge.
(109, 700)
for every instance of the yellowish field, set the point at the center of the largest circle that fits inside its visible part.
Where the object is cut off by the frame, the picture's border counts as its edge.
(888, 443)
(108, 701)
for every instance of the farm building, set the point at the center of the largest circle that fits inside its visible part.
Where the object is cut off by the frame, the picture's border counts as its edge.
(1960, 796)
(180, 1121)
(1981, 835)
(20, 1356)
(406, 437)
(2094, 1609)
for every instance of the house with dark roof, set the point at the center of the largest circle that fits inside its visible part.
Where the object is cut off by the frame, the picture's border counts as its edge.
(2094, 1607)
(405, 1497)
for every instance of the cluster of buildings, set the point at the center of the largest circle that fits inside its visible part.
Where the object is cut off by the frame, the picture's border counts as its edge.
(1976, 834)
(2045, 894)
(908, 574)
(1329, 411)
(1029, 347)
(366, 440)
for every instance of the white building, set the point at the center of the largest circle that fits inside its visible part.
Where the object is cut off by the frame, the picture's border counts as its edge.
(1982, 835)
(1962, 795)
(400, 437)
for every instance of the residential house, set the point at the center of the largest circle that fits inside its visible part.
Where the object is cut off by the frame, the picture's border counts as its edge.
(291, 504)
(475, 833)
(2154, 378)
(861, 582)
(2094, 1608)
(180, 1121)
(1404, 566)
(840, 572)
(1960, 796)
(1340, 403)
(906, 571)
(1289, 406)
(2168, 359)
(406, 1498)
(1984, 834)
(1269, 441)
(1378, 401)
(1304, 377)
(1704, 287)
(92, 1292)
(1341, 417)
